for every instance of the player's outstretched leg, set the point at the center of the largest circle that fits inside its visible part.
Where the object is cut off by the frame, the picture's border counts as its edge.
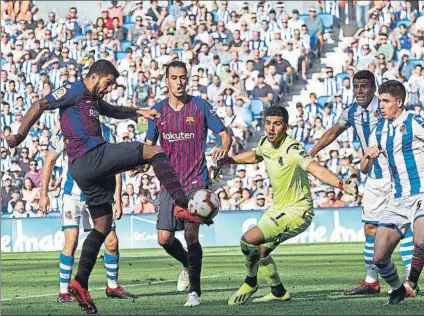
(370, 285)
(411, 284)
(386, 241)
(78, 288)
(195, 255)
(268, 269)
(250, 247)
(406, 251)
(111, 262)
(66, 263)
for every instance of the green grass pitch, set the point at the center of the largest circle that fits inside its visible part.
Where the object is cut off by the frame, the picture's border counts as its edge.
(316, 276)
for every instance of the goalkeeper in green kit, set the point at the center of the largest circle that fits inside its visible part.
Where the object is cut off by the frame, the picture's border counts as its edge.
(288, 165)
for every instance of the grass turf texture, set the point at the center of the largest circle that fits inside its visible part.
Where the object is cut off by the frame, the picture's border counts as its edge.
(316, 276)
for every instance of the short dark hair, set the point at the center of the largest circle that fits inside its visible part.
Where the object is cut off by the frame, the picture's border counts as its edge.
(278, 111)
(103, 68)
(365, 75)
(394, 88)
(175, 64)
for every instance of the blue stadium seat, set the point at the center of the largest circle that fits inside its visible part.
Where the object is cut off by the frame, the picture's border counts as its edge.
(79, 37)
(339, 79)
(416, 62)
(322, 100)
(120, 55)
(125, 45)
(3, 61)
(127, 19)
(129, 26)
(303, 16)
(406, 22)
(178, 51)
(327, 20)
(86, 28)
(257, 108)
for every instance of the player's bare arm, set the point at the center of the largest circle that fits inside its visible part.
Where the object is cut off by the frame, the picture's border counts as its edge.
(220, 153)
(249, 157)
(367, 161)
(125, 112)
(45, 181)
(328, 177)
(118, 203)
(32, 116)
(326, 139)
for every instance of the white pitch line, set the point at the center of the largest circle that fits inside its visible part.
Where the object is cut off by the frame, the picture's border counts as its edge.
(102, 288)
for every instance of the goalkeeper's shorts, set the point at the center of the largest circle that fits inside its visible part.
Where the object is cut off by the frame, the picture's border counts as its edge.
(279, 225)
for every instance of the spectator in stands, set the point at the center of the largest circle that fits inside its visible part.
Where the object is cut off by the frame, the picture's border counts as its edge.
(153, 196)
(263, 91)
(144, 206)
(34, 173)
(315, 27)
(6, 193)
(333, 200)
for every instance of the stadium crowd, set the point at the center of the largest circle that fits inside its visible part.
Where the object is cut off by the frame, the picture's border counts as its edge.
(242, 61)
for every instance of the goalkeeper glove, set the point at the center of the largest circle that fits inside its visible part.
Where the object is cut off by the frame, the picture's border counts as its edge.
(348, 186)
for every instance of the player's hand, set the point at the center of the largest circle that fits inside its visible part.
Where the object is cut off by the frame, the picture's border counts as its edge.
(373, 152)
(350, 187)
(149, 114)
(117, 210)
(185, 214)
(14, 140)
(214, 174)
(44, 203)
(218, 153)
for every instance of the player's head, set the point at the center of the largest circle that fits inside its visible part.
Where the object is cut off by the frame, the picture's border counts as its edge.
(364, 87)
(392, 96)
(100, 77)
(276, 122)
(176, 78)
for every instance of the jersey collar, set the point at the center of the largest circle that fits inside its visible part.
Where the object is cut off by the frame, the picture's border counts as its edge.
(372, 107)
(401, 118)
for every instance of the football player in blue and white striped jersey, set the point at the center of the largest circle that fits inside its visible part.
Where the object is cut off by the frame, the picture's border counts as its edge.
(400, 138)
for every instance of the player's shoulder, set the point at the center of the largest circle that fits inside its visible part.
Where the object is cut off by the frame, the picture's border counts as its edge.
(416, 118)
(200, 103)
(68, 90)
(159, 105)
(292, 145)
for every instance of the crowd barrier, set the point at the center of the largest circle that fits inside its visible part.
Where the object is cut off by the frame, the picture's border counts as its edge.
(139, 231)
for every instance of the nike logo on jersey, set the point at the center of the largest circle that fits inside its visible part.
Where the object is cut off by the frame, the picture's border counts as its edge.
(163, 123)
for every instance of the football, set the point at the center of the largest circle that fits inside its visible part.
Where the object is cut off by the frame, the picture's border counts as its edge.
(204, 204)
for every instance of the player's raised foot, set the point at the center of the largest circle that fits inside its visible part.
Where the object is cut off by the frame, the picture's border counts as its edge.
(193, 299)
(365, 288)
(64, 298)
(82, 296)
(411, 288)
(242, 295)
(271, 297)
(397, 296)
(119, 292)
(183, 280)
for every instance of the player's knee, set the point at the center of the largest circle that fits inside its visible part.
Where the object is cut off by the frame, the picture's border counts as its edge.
(191, 238)
(370, 229)
(150, 151)
(111, 243)
(70, 246)
(165, 239)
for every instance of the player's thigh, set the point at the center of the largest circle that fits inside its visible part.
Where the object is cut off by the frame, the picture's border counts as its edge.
(166, 219)
(375, 199)
(278, 225)
(254, 236)
(71, 212)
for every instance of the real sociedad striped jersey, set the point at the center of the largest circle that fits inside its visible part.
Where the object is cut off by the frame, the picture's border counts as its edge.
(402, 141)
(364, 122)
(79, 118)
(183, 136)
(68, 185)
